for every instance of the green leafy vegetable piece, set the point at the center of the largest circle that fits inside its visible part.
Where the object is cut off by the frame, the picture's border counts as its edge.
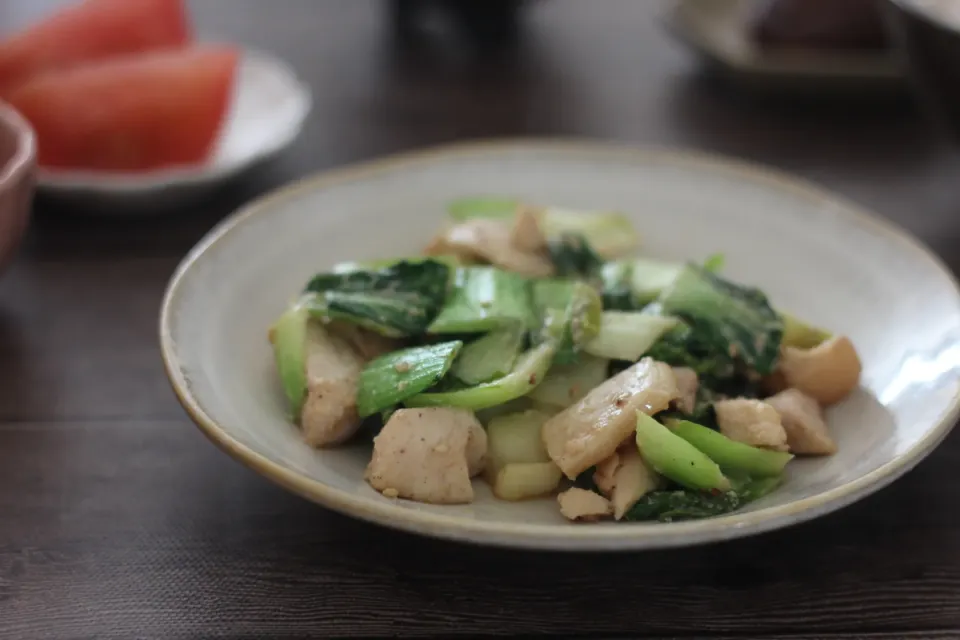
(570, 312)
(529, 371)
(715, 262)
(630, 284)
(669, 506)
(289, 338)
(382, 263)
(616, 287)
(568, 383)
(485, 416)
(573, 257)
(482, 207)
(682, 347)
(676, 459)
(484, 299)
(756, 489)
(731, 318)
(395, 301)
(649, 277)
(799, 334)
(730, 454)
(627, 335)
(609, 234)
(490, 356)
(396, 376)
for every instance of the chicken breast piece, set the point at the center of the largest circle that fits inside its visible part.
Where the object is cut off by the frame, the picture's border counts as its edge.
(525, 234)
(366, 343)
(329, 414)
(632, 480)
(752, 422)
(422, 455)
(803, 421)
(624, 478)
(476, 447)
(604, 476)
(589, 431)
(580, 504)
(687, 384)
(490, 240)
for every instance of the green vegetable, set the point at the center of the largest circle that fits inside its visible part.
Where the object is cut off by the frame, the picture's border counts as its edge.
(627, 335)
(669, 506)
(616, 287)
(399, 300)
(728, 317)
(631, 284)
(396, 376)
(491, 356)
(482, 207)
(515, 438)
(568, 383)
(648, 277)
(289, 338)
(715, 262)
(527, 374)
(484, 299)
(485, 416)
(573, 257)
(609, 234)
(730, 454)
(572, 325)
(375, 265)
(675, 458)
(799, 334)
(756, 489)
(682, 347)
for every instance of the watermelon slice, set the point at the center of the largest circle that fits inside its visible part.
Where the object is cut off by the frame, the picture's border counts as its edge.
(131, 114)
(91, 31)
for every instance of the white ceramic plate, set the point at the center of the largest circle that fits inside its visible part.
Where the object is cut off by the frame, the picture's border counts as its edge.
(717, 30)
(267, 111)
(814, 254)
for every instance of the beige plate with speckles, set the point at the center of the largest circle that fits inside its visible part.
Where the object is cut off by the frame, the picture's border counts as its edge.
(815, 254)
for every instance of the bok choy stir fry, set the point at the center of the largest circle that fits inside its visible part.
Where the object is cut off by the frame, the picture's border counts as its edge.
(527, 347)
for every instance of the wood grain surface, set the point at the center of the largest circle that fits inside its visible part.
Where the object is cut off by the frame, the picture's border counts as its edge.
(119, 520)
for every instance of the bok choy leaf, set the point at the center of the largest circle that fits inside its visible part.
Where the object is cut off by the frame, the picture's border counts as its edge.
(394, 301)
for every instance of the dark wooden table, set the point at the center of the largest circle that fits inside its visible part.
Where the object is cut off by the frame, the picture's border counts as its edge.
(119, 520)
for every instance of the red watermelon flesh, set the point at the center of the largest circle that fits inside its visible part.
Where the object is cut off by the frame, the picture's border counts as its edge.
(131, 114)
(92, 31)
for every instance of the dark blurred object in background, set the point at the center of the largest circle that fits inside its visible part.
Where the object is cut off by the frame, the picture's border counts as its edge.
(819, 24)
(484, 22)
(927, 35)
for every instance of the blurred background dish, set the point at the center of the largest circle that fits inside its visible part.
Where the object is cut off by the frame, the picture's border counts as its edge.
(17, 176)
(927, 36)
(268, 107)
(799, 46)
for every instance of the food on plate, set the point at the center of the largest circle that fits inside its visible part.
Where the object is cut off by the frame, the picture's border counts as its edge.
(91, 31)
(528, 348)
(131, 114)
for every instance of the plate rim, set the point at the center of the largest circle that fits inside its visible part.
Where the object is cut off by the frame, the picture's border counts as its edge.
(119, 184)
(544, 536)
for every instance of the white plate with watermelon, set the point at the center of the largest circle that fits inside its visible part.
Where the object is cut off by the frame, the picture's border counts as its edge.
(149, 121)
